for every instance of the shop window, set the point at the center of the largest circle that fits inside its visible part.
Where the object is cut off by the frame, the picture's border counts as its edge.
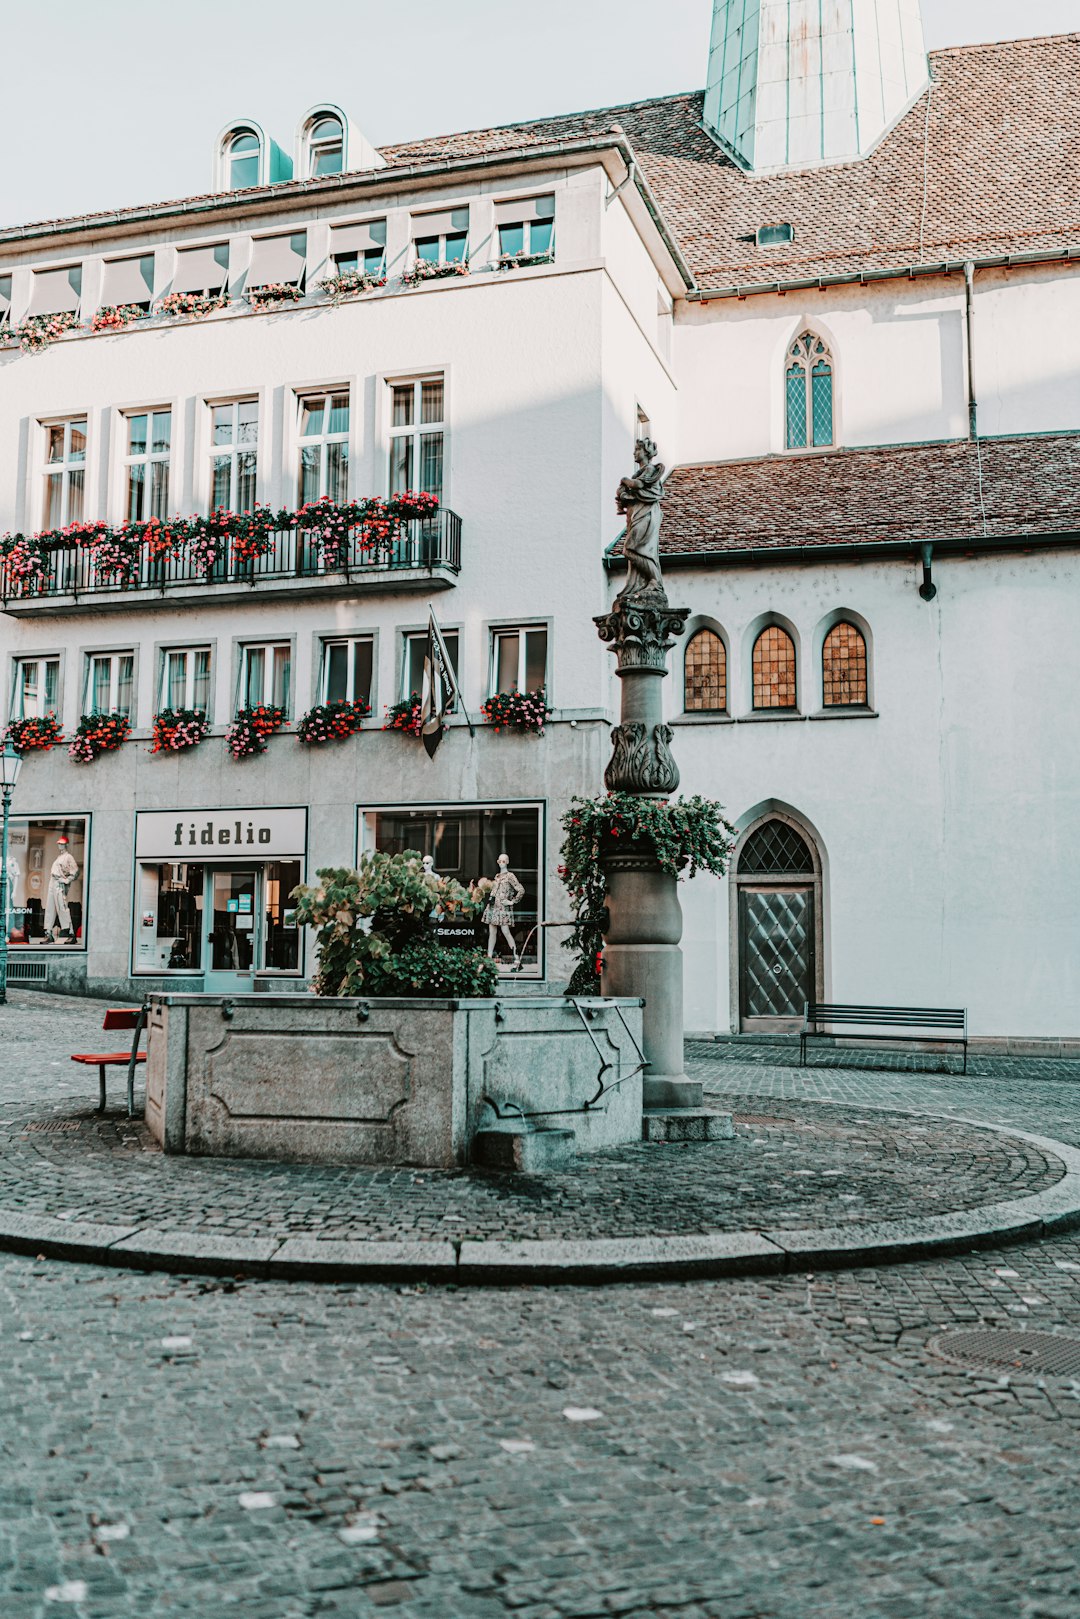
(519, 659)
(705, 674)
(146, 464)
(35, 689)
(843, 668)
(417, 435)
(412, 669)
(185, 678)
(65, 472)
(265, 675)
(47, 882)
(324, 447)
(347, 669)
(234, 454)
(774, 669)
(465, 843)
(198, 917)
(110, 683)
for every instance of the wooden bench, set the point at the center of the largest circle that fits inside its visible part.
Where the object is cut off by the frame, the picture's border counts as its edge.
(119, 1018)
(905, 1021)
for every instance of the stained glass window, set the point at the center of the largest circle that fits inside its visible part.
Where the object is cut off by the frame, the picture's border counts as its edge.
(843, 667)
(774, 669)
(705, 674)
(809, 394)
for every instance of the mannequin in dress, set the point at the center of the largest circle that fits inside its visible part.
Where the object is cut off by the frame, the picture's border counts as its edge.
(62, 874)
(428, 863)
(499, 911)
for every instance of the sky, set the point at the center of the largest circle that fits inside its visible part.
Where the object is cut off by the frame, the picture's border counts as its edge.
(127, 109)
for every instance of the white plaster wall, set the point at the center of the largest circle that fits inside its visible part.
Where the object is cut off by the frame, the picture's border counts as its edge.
(1027, 349)
(948, 822)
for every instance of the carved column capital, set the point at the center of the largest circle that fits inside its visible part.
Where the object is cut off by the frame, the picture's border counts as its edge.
(641, 630)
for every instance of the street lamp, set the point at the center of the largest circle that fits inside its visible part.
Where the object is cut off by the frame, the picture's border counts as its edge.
(10, 765)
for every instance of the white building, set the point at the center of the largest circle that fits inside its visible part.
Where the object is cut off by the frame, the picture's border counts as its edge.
(866, 375)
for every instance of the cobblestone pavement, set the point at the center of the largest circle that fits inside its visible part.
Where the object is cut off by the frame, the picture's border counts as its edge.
(755, 1448)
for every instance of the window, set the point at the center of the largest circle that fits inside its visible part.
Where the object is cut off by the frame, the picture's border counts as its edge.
(35, 688)
(412, 669)
(843, 668)
(109, 683)
(242, 160)
(129, 281)
(203, 270)
(326, 147)
(277, 259)
(234, 450)
(185, 678)
(347, 667)
(149, 440)
(526, 228)
(65, 472)
(442, 238)
(775, 850)
(47, 876)
(774, 669)
(809, 394)
(519, 659)
(417, 435)
(5, 300)
(324, 447)
(265, 675)
(705, 674)
(56, 292)
(359, 248)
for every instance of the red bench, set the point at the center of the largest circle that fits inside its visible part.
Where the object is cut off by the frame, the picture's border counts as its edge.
(119, 1018)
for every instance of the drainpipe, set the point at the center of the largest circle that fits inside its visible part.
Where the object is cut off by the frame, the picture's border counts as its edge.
(969, 299)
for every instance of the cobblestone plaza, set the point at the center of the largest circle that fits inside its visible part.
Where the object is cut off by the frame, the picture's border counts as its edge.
(751, 1446)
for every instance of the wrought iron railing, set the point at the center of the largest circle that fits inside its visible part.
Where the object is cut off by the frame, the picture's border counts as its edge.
(294, 553)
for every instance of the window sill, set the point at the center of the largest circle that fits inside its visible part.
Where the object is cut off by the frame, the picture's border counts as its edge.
(704, 717)
(769, 716)
(838, 713)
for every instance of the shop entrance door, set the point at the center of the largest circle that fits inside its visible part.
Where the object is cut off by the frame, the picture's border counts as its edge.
(233, 922)
(776, 967)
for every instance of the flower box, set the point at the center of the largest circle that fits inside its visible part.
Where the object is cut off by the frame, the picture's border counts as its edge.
(274, 295)
(114, 317)
(405, 716)
(191, 305)
(427, 270)
(34, 734)
(331, 722)
(178, 728)
(97, 734)
(349, 284)
(525, 711)
(37, 331)
(524, 261)
(248, 732)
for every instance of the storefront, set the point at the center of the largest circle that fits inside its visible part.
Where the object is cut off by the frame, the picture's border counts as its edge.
(212, 894)
(465, 843)
(47, 882)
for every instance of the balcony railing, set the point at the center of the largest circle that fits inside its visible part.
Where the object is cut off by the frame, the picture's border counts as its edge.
(423, 545)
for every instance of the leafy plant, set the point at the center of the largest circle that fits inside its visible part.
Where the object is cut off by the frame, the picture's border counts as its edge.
(249, 730)
(524, 261)
(191, 305)
(405, 716)
(114, 317)
(178, 728)
(685, 837)
(517, 711)
(349, 284)
(274, 295)
(431, 270)
(375, 930)
(34, 733)
(37, 331)
(332, 722)
(97, 734)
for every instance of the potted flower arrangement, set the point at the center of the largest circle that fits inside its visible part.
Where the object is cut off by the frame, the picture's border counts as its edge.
(433, 270)
(35, 733)
(523, 261)
(248, 732)
(191, 305)
(525, 711)
(274, 295)
(404, 716)
(410, 505)
(26, 562)
(250, 533)
(331, 722)
(178, 728)
(349, 284)
(37, 331)
(97, 734)
(114, 317)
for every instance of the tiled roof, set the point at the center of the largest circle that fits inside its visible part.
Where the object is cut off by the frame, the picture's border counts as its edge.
(993, 489)
(999, 145)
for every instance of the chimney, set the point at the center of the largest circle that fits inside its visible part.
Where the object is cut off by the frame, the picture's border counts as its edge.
(796, 83)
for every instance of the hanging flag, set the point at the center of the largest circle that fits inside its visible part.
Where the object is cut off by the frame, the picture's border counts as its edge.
(440, 688)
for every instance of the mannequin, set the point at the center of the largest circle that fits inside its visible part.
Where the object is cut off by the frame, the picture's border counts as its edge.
(499, 911)
(62, 874)
(428, 863)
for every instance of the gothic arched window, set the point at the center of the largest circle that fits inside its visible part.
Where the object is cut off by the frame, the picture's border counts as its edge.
(809, 393)
(774, 669)
(705, 674)
(843, 667)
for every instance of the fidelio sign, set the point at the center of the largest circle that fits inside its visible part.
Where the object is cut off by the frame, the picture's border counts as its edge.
(233, 834)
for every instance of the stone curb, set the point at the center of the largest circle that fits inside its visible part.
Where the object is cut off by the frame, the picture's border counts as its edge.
(607, 1259)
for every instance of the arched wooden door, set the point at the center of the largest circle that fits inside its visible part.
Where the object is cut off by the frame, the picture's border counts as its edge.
(778, 886)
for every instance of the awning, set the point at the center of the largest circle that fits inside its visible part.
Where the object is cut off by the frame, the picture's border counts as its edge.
(277, 258)
(129, 281)
(201, 269)
(367, 237)
(524, 210)
(56, 290)
(449, 223)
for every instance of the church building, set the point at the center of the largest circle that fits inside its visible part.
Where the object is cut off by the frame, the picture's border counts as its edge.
(250, 439)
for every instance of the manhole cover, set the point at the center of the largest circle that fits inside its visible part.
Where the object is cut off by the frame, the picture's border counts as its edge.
(1045, 1353)
(52, 1124)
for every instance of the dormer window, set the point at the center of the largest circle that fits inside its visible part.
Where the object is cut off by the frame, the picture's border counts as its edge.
(242, 160)
(326, 147)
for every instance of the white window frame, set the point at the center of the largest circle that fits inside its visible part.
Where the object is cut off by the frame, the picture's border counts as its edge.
(324, 439)
(417, 429)
(441, 237)
(350, 643)
(163, 681)
(317, 145)
(527, 250)
(268, 649)
(17, 707)
(63, 470)
(149, 458)
(112, 658)
(230, 157)
(233, 450)
(409, 639)
(521, 631)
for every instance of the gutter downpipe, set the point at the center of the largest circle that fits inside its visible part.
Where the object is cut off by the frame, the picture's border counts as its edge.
(969, 304)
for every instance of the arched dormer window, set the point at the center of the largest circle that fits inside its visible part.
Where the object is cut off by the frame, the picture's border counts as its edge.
(843, 667)
(326, 147)
(774, 670)
(242, 159)
(705, 674)
(808, 394)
